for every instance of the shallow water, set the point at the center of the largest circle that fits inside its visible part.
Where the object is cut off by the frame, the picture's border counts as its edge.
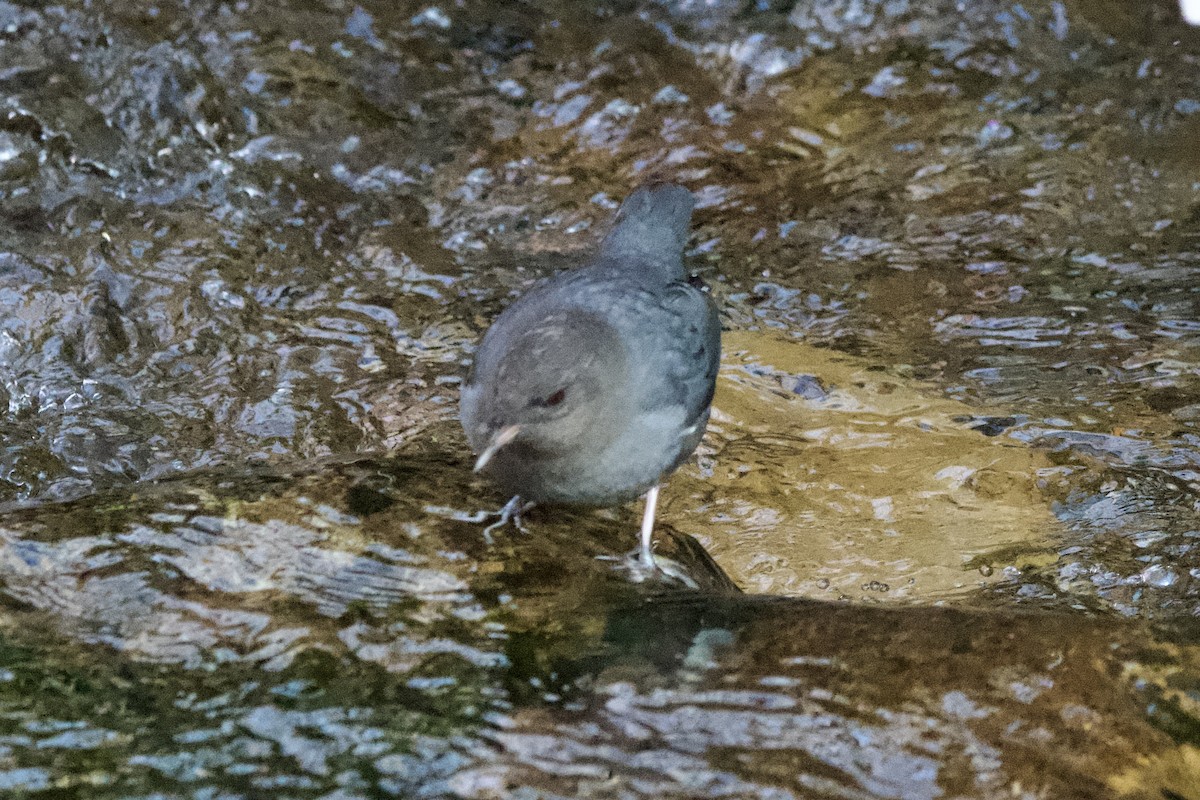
(247, 249)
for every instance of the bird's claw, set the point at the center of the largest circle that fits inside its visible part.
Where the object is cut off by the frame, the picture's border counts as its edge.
(512, 512)
(658, 568)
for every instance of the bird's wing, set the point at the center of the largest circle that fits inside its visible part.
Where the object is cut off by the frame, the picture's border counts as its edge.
(695, 331)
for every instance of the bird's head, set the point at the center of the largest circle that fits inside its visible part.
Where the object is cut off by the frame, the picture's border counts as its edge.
(555, 387)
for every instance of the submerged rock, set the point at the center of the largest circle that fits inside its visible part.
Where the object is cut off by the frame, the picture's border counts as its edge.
(334, 626)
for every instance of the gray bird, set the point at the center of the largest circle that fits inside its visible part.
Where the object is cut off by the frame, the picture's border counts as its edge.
(595, 385)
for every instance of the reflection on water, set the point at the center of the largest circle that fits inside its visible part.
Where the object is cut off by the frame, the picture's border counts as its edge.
(246, 245)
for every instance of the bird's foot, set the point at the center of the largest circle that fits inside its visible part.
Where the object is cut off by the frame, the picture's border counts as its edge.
(657, 568)
(513, 512)
(642, 565)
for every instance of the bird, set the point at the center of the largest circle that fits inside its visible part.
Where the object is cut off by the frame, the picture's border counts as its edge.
(596, 384)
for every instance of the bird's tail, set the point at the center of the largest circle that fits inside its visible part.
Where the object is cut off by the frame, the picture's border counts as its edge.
(651, 228)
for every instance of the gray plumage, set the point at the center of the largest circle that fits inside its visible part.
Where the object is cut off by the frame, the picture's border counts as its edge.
(596, 384)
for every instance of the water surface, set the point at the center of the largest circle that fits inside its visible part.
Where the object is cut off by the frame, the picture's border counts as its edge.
(952, 470)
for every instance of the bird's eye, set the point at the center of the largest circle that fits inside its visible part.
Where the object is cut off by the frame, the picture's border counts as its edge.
(555, 399)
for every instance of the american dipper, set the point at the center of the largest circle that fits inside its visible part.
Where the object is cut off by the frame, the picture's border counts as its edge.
(595, 385)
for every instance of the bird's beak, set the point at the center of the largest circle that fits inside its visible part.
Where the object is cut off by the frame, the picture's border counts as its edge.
(502, 437)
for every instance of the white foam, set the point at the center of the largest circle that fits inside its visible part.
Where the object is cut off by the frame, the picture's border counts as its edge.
(1191, 11)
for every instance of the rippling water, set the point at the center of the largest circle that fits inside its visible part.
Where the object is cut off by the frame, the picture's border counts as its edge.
(247, 250)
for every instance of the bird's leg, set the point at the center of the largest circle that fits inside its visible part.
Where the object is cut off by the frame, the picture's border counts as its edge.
(511, 512)
(647, 552)
(642, 564)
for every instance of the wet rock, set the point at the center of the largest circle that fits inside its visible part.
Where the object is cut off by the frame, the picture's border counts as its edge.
(239, 241)
(872, 484)
(332, 625)
(364, 535)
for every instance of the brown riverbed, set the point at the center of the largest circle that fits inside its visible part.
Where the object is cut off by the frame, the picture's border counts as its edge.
(945, 522)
